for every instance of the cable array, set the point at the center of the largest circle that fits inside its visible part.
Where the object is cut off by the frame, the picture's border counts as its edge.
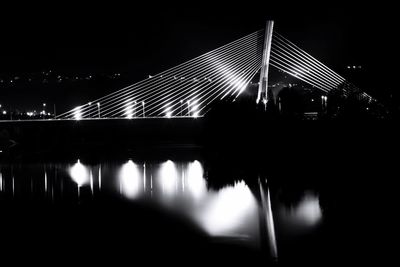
(191, 88)
(188, 89)
(291, 59)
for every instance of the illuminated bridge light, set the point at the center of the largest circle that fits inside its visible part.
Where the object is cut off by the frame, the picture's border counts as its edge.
(168, 112)
(195, 111)
(129, 110)
(223, 72)
(77, 113)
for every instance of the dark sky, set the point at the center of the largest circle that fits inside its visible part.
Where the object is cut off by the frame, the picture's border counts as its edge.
(137, 38)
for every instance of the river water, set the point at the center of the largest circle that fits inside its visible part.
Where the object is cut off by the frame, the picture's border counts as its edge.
(158, 205)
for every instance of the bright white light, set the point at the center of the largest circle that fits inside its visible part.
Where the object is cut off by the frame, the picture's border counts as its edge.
(309, 210)
(195, 181)
(77, 113)
(129, 110)
(229, 209)
(195, 108)
(4, 112)
(129, 179)
(307, 213)
(79, 173)
(168, 178)
(168, 112)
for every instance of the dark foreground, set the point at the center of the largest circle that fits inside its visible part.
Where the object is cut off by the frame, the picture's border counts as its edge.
(351, 166)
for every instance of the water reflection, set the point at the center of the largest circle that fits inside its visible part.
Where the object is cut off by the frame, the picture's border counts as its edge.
(237, 211)
(79, 174)
(129, 179)
(229, 210)
(168, 178)
(307, 213)
(268, 220)
(1, 182)
(195, 180)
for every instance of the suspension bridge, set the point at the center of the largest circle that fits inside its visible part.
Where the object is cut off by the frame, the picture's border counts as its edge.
(194, 87)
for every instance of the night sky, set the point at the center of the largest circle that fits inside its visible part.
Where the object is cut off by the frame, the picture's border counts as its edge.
(140, 39)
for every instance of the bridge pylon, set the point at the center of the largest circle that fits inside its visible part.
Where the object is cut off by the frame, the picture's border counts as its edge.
(264, 94)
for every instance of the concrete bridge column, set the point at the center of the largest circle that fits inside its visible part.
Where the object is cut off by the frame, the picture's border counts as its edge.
(264, 94)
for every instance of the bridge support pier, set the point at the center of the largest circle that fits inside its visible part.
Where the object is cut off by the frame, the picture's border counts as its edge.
(264, 94)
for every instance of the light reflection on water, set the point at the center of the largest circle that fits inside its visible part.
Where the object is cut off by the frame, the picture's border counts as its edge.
(235, 211)
(303, 216)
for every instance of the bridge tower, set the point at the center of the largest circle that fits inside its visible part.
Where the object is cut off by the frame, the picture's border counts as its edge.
(264, 94)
